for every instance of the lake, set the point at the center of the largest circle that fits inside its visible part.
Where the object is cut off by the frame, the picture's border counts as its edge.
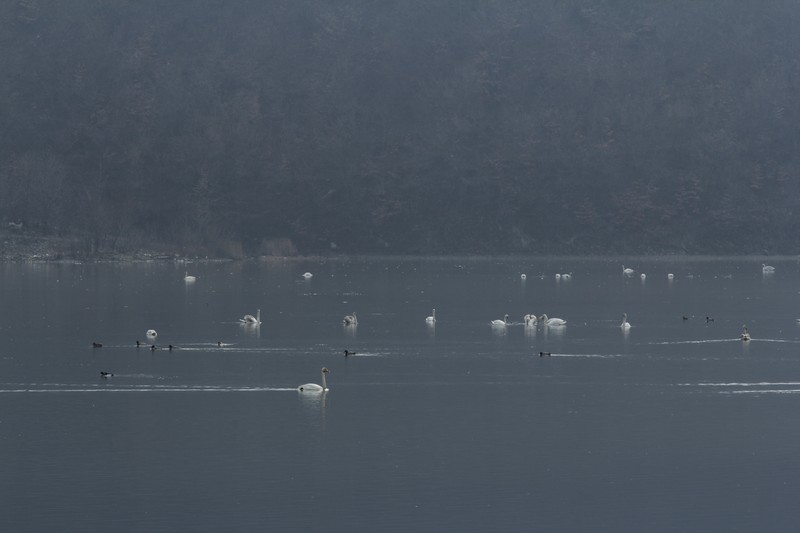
(674, 424)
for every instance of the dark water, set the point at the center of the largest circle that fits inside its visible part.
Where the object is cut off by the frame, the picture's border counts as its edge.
(674, 425)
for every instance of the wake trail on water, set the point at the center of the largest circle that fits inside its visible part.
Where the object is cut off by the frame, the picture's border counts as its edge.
(71, 388)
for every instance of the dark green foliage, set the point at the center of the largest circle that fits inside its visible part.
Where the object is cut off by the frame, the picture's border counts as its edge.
(450, 126)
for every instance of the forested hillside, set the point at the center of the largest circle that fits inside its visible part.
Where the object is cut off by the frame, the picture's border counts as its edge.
(243, 127)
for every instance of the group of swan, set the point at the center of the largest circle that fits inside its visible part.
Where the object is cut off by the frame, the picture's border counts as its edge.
(531, 320)
(250, 320)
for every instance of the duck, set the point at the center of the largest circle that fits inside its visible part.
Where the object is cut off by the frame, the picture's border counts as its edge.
(348, 352)
(499, 322)
(350, 320)
(552, 321)
(106, 374)
(97, 345)
(625, 324)
(544, 354)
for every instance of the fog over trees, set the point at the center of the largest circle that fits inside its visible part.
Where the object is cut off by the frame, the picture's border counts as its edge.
(244, 127)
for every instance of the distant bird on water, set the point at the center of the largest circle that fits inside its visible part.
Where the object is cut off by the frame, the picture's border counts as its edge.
(431, 319)
(745, 336)
(97, 345)
(350, 320)
(250, 320)
(501, 323)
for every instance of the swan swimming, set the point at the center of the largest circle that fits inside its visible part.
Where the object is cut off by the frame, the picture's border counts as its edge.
(152, 334)
(745, 336)
(547, 321)
(308, 275)
(250, 320)
(187, 278)
(766, 268)
(643, 276)
(503, 322)
(670, 276)
(530, 319)
(523, 277)
(431, 319)
(313, 387)
(350, 320)
(625, 324)
(627, 271)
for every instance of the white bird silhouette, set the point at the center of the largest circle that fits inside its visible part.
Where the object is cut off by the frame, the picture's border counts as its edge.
(313, 387)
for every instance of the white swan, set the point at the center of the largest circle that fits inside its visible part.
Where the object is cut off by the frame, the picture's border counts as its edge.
(152, 334)
(530, 319)
(552, 321)
(625, 324)
(188, 279)
(766, 268)
(643, 276)
(670, 276)
(745, 336)
(350, 320)
(308, 275)
(567, 276)
(431, 319)
(250, 320)
(523, 277)
(503, 322)
(313, 387)
(627, 271)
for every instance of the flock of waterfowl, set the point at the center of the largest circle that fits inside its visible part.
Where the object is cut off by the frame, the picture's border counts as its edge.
(529, 320)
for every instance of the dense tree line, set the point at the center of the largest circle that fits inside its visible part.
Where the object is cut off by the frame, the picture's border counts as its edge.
(408, 126)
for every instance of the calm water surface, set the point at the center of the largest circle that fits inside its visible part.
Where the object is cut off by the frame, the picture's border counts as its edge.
(674, 425)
